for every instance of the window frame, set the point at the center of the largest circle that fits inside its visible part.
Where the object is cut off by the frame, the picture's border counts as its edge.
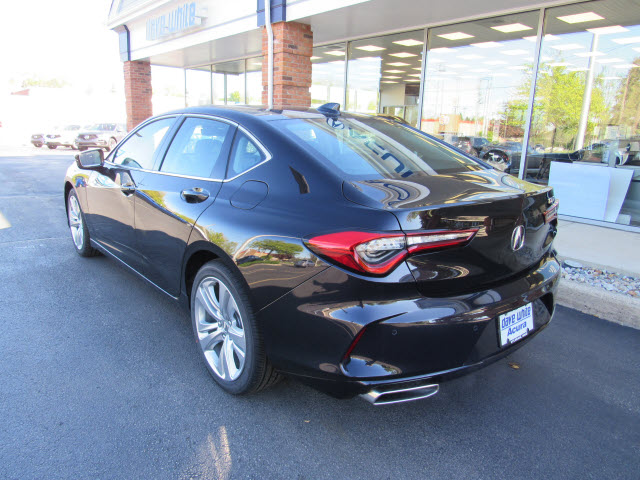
(161, 147)
(256, 142)
(168, 138)
(219, 169)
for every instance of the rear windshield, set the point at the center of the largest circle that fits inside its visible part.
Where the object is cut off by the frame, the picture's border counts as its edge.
(371, 148)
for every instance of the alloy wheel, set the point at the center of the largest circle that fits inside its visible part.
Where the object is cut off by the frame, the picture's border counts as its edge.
(75, 222)
(220, 328)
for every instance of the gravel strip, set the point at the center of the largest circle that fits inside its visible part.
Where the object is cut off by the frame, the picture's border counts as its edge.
(610, 281)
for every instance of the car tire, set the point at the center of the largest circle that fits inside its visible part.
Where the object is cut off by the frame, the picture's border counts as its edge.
(37, 145)
(78, 227)
(112, 144)
(52, 147)
(82, 149)
(228, 336)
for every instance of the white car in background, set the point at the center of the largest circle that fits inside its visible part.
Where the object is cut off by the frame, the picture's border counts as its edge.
(62, 137)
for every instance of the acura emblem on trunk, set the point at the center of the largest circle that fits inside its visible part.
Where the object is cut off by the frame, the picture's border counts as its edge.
(517, 238)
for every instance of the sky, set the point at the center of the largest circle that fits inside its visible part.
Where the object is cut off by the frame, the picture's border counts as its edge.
(65, 39)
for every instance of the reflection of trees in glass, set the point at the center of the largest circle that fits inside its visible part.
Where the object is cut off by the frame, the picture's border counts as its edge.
(278, 246)
(234, 97)
(558, 104)
(627, 107)
(221, 241)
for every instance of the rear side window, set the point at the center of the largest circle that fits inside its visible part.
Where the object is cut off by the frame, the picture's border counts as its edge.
(371, 148)
(138, 150)
(197, 148)
(245, 155)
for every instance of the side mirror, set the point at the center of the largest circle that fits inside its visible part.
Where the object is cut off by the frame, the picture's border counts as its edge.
(90, 160)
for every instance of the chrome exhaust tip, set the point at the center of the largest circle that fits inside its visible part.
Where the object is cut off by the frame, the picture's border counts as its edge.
(387, 395)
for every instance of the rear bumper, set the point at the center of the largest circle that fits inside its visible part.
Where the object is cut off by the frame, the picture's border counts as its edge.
(408, 337)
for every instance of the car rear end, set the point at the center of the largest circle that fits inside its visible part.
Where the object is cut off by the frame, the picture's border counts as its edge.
(469, 274)
(38, 139)
(465, 144)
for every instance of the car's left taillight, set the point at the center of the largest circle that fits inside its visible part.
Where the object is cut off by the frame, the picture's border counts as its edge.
(372, 253)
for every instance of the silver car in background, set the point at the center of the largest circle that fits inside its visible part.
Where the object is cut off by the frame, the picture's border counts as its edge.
(101, 135)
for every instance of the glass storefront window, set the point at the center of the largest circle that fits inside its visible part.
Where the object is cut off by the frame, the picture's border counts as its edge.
(168, 88)
(234, 81)
(217, 88)
(198, 86)
(477, 86)
(327, 75)
(384, 75)
(585, 129)
(254, 81)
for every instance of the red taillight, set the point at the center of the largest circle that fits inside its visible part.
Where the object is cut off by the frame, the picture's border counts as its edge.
(380, 253)
(552, 212)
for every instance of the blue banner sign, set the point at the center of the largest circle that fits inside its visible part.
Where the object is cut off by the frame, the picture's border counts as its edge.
(177, 20)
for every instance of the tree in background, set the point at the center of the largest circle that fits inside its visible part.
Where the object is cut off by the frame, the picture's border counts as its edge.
(626, 110)
(557, 108)
(279, 247)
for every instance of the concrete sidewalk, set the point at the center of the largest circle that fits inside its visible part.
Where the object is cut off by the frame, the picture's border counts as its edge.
(603, 248)
(599, 247)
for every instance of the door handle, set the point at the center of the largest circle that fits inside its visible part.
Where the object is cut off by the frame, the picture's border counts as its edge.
(194, 195)
(128, 188)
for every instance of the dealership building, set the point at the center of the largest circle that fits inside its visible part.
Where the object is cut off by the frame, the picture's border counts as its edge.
(546, 90)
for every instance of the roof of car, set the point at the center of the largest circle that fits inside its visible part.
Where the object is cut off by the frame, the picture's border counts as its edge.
(244, 112)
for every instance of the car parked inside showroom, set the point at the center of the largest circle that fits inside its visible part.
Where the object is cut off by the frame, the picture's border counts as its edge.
(471, 145)
(64, 136)
(420, 262)
(100, 135)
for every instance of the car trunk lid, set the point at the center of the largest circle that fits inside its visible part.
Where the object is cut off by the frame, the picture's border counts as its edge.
(509, 215)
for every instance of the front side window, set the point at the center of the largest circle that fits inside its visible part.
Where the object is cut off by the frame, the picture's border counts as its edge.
(370, 148)
(138, 150)
(245, 155)
(197, 148)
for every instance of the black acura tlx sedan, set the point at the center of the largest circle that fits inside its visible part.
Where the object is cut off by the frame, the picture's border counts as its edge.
(420, 263)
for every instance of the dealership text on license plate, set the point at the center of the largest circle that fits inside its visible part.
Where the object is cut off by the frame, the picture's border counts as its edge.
(515, 324)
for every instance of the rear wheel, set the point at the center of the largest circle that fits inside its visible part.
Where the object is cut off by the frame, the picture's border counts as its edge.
(498, 157)
(52, 147)
(227, 333)
(78, 227)
(82, 149)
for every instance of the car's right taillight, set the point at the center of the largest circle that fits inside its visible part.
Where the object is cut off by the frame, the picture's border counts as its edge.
(379, 253)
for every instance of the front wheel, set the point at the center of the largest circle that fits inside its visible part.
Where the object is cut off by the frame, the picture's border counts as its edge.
(52, 147)
(78, 227)
(227, 333)
(82, 149)
(112, 144)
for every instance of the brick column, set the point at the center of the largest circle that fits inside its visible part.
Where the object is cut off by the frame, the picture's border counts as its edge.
(292, 50)
(137, 90)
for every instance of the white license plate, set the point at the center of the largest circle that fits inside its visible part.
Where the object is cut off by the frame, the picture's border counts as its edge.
(515, 324)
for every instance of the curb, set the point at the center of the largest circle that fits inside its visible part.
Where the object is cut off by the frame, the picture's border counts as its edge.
(611, 306)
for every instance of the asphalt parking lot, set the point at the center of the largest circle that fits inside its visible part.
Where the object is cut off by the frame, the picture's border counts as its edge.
(100, 378)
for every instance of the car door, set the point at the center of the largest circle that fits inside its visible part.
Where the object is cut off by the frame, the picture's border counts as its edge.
(111, 190)
(170, 199)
